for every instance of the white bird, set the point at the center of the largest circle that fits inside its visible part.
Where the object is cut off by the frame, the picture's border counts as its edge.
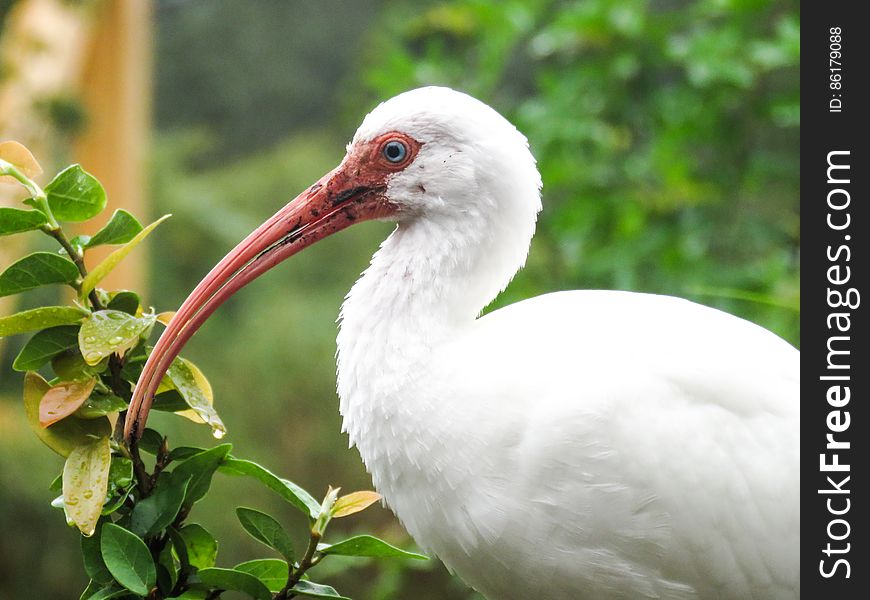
(578, 445)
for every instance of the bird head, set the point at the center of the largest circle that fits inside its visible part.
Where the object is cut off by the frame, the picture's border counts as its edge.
(431, 153)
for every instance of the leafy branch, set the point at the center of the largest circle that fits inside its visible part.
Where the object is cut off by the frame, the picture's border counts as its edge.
(132, 503)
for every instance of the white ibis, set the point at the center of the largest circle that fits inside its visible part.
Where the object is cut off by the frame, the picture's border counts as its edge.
(588, 444)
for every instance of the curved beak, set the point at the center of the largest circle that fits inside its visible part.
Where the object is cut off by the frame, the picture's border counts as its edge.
(336, 201)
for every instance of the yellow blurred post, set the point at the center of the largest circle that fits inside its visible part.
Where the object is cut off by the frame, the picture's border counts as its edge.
(116, 94)
(42, 50)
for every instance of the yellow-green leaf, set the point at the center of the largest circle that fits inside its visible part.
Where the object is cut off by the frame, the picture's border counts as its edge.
(197, 393)
(62, 400)
(64, 436)
(110, 262)
(354, 503)
(165, 317)
(110, 331)
(85, 483)
(40, 318)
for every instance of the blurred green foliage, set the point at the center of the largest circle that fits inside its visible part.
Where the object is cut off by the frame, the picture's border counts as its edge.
(667, 134)
(252, 74)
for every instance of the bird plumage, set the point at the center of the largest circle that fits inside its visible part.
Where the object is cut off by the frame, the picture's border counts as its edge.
(577, 445)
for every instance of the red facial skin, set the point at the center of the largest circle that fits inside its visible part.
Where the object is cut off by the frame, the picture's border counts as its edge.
(354, 191)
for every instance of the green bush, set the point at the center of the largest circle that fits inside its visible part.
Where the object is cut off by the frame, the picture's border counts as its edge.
(667, 136)
(134, 512)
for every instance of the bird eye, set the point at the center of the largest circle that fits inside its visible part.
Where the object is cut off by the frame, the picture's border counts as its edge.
(395, 151)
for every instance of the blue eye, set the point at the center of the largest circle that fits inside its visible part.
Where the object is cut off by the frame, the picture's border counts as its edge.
(395, 151)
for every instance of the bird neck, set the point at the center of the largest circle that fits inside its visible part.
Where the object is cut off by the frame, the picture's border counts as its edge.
(428, 281)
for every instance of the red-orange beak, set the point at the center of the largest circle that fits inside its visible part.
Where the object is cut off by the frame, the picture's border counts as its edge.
(339, 199)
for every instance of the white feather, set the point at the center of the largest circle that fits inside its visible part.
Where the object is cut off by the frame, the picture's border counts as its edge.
(577, 445)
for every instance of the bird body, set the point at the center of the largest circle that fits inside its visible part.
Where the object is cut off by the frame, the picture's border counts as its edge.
(578, 445)
(589, 445)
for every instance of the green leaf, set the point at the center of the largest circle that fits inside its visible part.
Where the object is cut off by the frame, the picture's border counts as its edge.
(70, 365)
(112, 590)
(120, 229)
(93, 588)
(230, 579)
(201, 546)
(78, 242)
(35, 270)
(180, 453)
(134, 362)
(40, 318)
(273, 572)
(266, 529)
(167, 571)
(288, 490)
(199, 468)
(98, 405)
(93, 558)
(115, 502)
(367, 545)
(196, 391)
(15, 220)
(179, 548)
(63, 399)
(150, 441)
(128, 559)
(45, 345)
(64, 436)
(125, 301)
(110, 331)
(75, 195)
(316, 590)
(191, 595)
(120, 484)
(85, 483)
(110, 262)
(158, 510)
(120, 474)
(169, 401)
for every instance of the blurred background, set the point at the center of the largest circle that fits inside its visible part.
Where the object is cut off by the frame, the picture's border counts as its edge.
(667, 133)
